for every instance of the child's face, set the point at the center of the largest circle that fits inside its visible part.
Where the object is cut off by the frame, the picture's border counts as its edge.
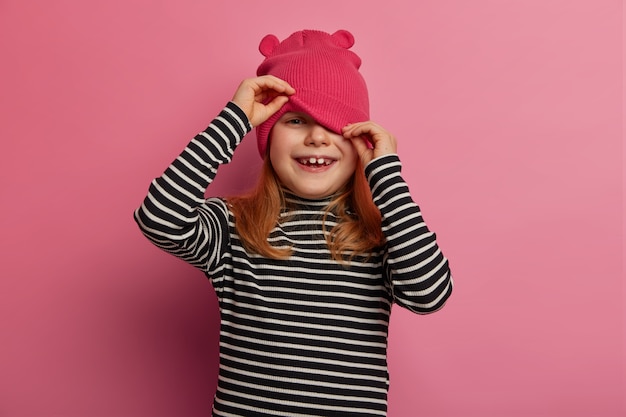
(310, 161)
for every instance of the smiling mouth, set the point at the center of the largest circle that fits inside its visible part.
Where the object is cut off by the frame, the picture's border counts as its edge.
(315, 162)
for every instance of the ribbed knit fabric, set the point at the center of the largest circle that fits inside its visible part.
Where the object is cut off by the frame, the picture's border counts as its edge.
(325, 75)
(304, 336)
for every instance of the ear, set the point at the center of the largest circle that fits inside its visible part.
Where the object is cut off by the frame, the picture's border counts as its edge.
(343, 38)
(267, 45)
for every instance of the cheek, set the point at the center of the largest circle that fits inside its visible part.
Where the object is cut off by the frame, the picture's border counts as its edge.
(275, 149)
(349, 151)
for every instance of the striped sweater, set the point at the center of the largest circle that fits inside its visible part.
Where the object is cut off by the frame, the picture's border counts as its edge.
(304, 336)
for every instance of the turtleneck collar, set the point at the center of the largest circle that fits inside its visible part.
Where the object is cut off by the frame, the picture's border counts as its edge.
(294, 201)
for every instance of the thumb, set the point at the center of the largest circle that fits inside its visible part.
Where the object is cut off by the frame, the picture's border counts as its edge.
(275, 105)
(362, 149)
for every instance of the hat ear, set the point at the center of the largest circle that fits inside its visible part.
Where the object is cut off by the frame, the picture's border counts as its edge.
(268, 44)
(343, 38)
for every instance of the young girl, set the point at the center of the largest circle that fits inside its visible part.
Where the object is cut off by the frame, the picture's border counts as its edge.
(307, 266)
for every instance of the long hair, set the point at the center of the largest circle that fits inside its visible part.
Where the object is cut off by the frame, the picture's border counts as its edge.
(356, 232)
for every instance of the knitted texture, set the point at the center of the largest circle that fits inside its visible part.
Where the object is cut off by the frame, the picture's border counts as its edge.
(325, 75)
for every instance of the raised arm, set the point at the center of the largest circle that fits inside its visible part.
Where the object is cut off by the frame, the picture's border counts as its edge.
(417, 270)
(174, 215)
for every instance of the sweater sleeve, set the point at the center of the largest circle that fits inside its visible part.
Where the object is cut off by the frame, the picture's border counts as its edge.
(175, 215)
(417, 270)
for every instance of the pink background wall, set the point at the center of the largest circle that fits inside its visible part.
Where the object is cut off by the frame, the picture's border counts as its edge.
(509, 117)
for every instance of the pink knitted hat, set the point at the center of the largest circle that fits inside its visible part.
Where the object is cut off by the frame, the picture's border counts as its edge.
(325, 74)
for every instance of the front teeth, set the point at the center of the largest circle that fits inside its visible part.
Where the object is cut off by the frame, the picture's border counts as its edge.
(315, 161)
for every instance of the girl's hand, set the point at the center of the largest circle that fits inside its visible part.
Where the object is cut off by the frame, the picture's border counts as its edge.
(369, 133)
(261, 97)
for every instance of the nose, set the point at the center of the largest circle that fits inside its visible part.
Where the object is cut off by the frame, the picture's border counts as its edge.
(318, 136)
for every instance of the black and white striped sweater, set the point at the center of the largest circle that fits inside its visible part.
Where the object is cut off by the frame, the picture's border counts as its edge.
(305, 336)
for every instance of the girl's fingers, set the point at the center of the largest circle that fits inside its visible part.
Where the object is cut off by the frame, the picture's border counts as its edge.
(360, 144)
(260, 97)
(270, 82)
(381, 141)
(276, 103)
